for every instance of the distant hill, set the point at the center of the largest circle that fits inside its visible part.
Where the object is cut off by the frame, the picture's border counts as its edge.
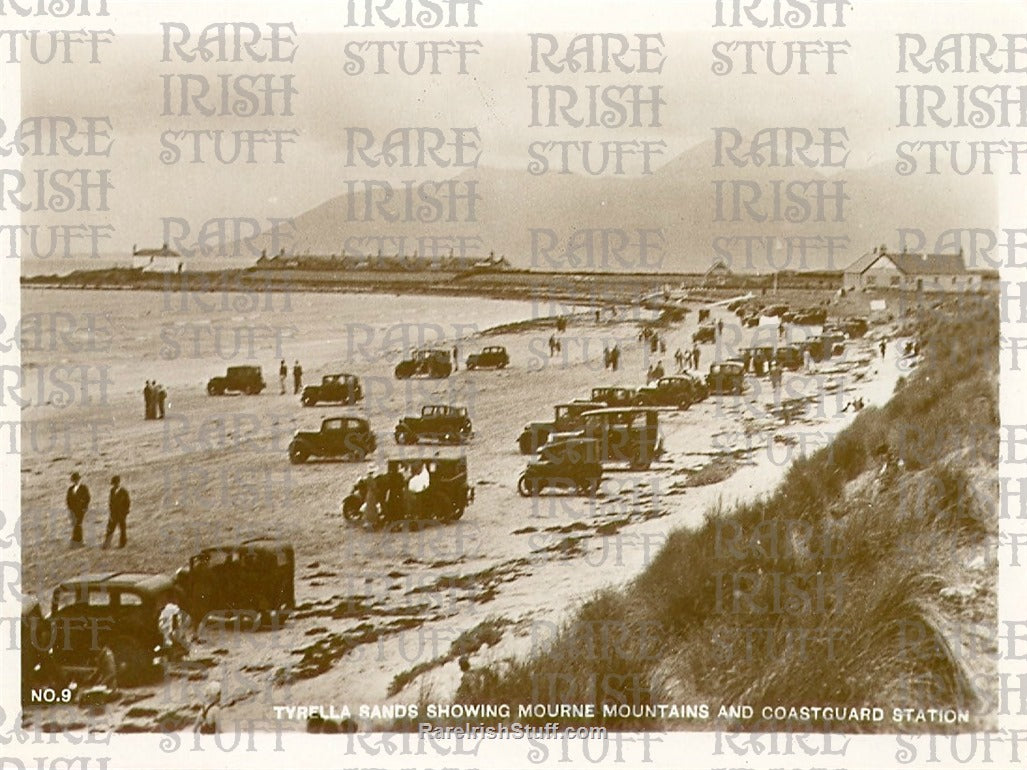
(677, 198)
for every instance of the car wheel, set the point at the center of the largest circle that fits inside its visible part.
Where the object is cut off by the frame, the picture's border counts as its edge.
(298, 454)
(309, 400)
(351, 508)
(588, 487)
(212, 389)
(131, 661)
(527, 488)
(404, 436)
(251, 390)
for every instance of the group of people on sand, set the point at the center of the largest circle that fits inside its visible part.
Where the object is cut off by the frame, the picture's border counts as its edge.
(155, 400)
(297, 377)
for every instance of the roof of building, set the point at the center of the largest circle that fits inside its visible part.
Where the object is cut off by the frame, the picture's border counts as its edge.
(911, 263)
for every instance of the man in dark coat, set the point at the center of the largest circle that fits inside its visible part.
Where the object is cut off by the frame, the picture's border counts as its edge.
(119, 506)
(161, 397)
(148, 400)
(297, 378)
(78, 503)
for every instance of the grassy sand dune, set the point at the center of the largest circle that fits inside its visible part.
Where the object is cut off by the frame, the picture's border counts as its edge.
(868, 578)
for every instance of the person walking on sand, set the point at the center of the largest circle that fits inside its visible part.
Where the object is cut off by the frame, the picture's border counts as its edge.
(283, 372)
(119, 505)
(883, 346)
(297, 377)
(77, 500)
(695, 357)
(615, 357)
(148, 401)
(162, 401)
(456, 359)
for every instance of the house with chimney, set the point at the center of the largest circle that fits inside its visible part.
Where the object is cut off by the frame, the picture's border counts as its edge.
(881, 269)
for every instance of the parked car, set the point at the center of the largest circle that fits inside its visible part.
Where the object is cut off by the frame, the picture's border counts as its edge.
(566, 418)
(437, 422)
(348, 438)
(384, 498)
(252, 576)
(808, 316)
(613, 396)
(624, 435)
(36, 639)
(824, 346)
(775, 310)
(117, 610)
(571, 464)
(726, 377)
(492, 357)
(787, 357)
(705, 333)
(237, 379)
(680, 390)
(428, 362)
(334, 388)
(749, 321)
(852, 327)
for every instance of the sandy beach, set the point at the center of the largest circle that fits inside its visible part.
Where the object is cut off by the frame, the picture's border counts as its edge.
(373, 605)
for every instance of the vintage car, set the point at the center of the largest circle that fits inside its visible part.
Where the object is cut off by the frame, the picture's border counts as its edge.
(824, 346)
(852, 327)
(347, 438)
(705, 333)
(704, 314)
(775, 310)
(726, 377)
(786, 356)
(380, 499)
(117, 610)
(334, 388)
(813, 316)
(624, 435)
(437, 422)
(434, 363)
(238, 379)
(571, 464)
(566, 419)
(613, 396)
(680, 390)
(252, 577)
(492, 357)
(36, 640)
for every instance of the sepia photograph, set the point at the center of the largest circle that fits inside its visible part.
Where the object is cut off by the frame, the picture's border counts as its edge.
(481, 384)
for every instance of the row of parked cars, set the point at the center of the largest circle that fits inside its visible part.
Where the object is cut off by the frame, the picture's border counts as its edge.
(120, 611)
(345, 388)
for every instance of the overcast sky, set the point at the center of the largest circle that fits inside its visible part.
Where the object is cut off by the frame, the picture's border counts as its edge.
(127, 87)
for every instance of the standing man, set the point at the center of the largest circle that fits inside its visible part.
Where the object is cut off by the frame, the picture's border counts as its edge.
(119, 504)
(456, 358)
(775, 381)
(162, 400)
(695, 356)
(148, 400)
(78, 503)
(883, 347)
(283, 372)
(297, 377)
(615, 356)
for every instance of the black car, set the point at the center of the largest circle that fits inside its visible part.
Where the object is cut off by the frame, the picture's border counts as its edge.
(570, 464)
(238, 379)
(432, 363)
(348, 438)
(437, 422)
(726, 377)
(492, 357)
(678, 390)
(566, 418)
(614, 396)
(252, 576)
(705, 333)
(384, 498)
(117, 610)
(339, 388)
